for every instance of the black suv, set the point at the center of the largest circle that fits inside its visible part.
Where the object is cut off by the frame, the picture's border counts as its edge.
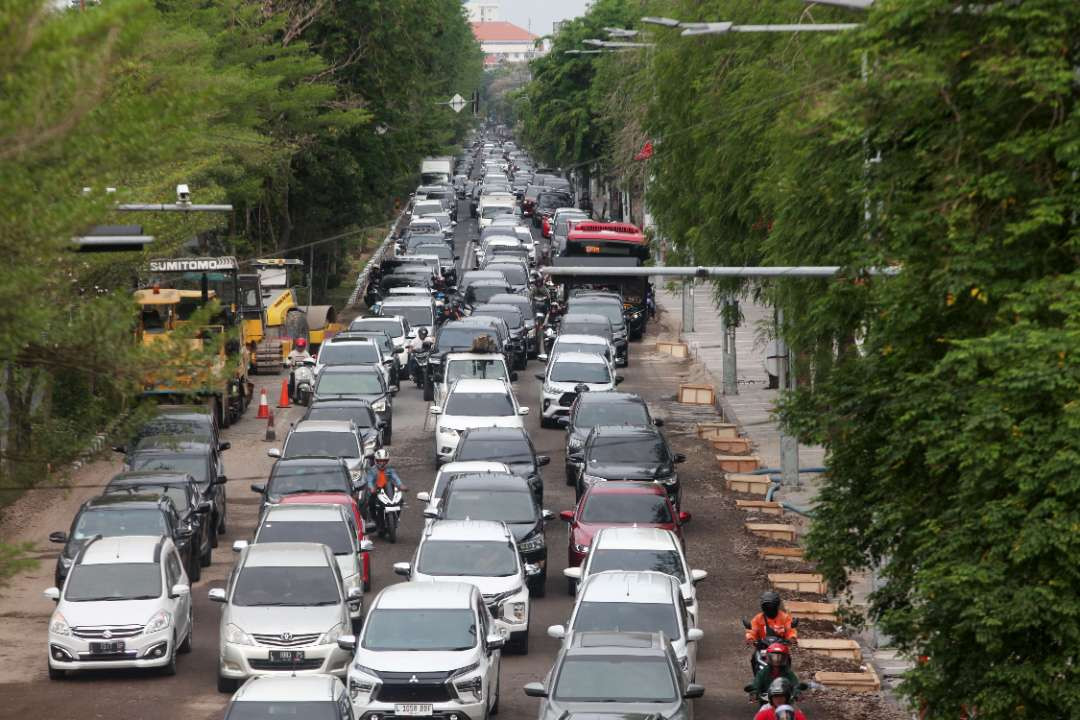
(502, 498)
(306, 475)
(121, 514)
(511, 446)
(601, 408)
(622, 452)
(189, 454)
(358, 382)
(182, 489)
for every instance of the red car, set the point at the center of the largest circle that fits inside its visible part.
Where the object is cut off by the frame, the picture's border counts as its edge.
(545, 226)
(615, 504)
(333, 498)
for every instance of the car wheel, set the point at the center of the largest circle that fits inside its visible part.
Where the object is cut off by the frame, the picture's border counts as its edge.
(357, 624)
(169, 668)
(520, 644)
(213, 533)
(627, 363)
(55, 673)
(388, 434)
(571, 587)
(207, 557)
(221, 523)
(546, 423)
(226, 685)
(495, 705)
(570, 476)
(194, 570)
(367, 585)
(538, 588)
(185, 647)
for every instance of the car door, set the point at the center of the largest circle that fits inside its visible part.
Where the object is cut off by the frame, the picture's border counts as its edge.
(181, 606)
(492, 657)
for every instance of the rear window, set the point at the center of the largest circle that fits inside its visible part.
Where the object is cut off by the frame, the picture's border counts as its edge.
(349, 353)
(479, 404)
(392, 327)
(515, 274)
(492, 211)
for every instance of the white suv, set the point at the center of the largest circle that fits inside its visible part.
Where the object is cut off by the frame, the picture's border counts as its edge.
(618, 601)
(474, 404)
(285, 607)
(633, 548)
(479, 366)
(566, 373)
(427, 649)
(126, 603)
(483, 553)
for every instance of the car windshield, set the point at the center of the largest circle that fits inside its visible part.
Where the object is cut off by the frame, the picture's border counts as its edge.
(361, 416)
(346, 383)
(554, 200)
(177, 493)
(391, 326)
(480, 294)
(591, 348)
(514, 274)
(481, 369)
(300, 586)
(563, 226)
(468, 559)
(416, 315)
(628, 617)
(608, 679)
(512, 318)
(491, 211)
(501, 506)
(420, 629)
(321, 444)
(460, 337)
(610, 310)
(665, 561)
(193, 465)
(614, 413)
(613, 508)
(166, 425)
(441, 251)
(113, 581)
(635, 449)
(289, 479)
(576, 327)
(479, 404)
(568, 371)
(272, 709)
(348, 353)
(119, 522)
(334, 535)
(505, 450)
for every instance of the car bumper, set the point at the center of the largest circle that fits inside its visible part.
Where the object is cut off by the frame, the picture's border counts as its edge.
(445, 445)
(442, 711)
(550, 407)
(141, 651)
(244, 661)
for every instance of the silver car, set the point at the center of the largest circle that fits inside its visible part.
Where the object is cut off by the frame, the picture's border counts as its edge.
(302, 696)
(283, 611)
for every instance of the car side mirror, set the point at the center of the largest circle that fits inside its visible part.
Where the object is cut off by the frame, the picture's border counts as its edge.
(542, 356)
(697, 576)
(547, 514)
(523, 411)
(577, 457)
(366, 545)
(423, 496)
(220, 480)
(435, 410)
(223, 446)
(513, 376)
(695, 635)
(684, 517)
(658, 422)
(495, 642)
(58, 537)
(619, 379)
(678, 458)
(539, 376)
(52, 593)
(563, 421)
(346, 642)
(239, 545)
(204, 507)
(535, 689)
(573, 573)
(431, 513)
(179, 590)
(542, 460)
(216, 595)
(556, 631)
(356, 594)
(567, 515)
(403, 569)
(258, 488)
(693, 690)
(274, 453)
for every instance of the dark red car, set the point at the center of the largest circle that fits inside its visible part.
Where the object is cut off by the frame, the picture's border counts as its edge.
(332, 498)
(619, 504)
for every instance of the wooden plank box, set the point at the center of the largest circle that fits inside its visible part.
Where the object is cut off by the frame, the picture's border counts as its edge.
(732, 446)
(766, 507)
(753, 484)
(799, 582)
(674, 349)
(833, 647)
(781, 553)
(697, 394)
(772, 531)
(717, 431)
(812, 610)
(738, 463)
(852, 682)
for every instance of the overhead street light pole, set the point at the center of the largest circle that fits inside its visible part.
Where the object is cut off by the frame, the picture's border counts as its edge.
(723, 28)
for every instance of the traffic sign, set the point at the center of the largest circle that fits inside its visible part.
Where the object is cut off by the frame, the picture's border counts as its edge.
(457, 103)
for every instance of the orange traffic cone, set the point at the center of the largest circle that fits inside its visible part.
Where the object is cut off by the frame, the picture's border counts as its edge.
(283, 401)
(264, 408)
(271, 433)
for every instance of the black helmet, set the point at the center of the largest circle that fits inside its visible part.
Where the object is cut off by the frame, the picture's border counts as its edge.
(422, 332)
(770, 603)
(780, 686)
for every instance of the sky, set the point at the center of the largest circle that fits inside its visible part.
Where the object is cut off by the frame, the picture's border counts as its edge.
(542, 13)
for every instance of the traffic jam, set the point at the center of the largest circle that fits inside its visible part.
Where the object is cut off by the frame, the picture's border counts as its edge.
(368, 574)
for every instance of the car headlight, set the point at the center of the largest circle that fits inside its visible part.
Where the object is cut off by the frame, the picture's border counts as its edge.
(331, 635)
(531, 543)
(59, 626)
(236, 636)
(635, 315)
(450, 431)
(668, 479)
(550, 390)
(514, 611)
(65, 561)
(469, 686)
(356, 475)
(160, 621)
(580, 548)
(379, 405)
(362, 682)
(592, 479)
(369, 446)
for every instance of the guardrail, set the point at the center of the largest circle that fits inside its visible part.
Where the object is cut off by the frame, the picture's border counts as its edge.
(376, 257)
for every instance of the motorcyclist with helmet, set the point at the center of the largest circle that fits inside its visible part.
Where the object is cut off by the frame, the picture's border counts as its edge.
(377, 478)
(297, 355)
(772, 621)
(418, 344)
(779, 706)
(777, 667)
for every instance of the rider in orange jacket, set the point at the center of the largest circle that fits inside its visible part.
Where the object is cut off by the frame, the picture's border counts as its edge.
(771, 622)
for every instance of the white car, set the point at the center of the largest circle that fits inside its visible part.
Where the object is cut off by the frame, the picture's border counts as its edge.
(565, 375)
(483, 553)
(458, 366)
(397, 327)
(427, 649)
(331, 525)
(494, 205)
(283, 611)
(446, 473)
(303, 696)
(633, 548)
(582, 343)
(474, 404)
(418, 312)
(126, 603)
(353, 351)
(618, 601)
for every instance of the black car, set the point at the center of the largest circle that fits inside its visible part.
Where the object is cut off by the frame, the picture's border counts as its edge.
(182, 489)
(511, 446)
(548, 201)
(306, 475)
(600, 408)
(528, 312)
(517, 340)
(385, 342)
(358, 382)
(119, 515)
(610, 307)
(482, 291)
(187, 454)
(503, 498)
(623, 452)
(361, 414)
(582, 324)
(516, 274)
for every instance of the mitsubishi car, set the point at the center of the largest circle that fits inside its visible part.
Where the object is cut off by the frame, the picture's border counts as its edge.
(569, 374)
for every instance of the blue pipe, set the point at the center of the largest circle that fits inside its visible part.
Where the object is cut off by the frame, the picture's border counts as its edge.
(771, 471)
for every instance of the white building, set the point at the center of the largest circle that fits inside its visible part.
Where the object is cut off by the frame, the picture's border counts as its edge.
(482, 10)
(504, 42)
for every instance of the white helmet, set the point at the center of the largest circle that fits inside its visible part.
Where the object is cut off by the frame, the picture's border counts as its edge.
(382, 454)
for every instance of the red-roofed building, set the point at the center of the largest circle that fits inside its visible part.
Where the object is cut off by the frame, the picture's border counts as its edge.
(505, 42)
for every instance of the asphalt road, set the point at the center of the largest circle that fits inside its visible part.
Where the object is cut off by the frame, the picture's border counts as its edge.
(714, 543)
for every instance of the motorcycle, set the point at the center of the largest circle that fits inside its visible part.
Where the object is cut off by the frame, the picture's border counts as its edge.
(757, 658)
(388, 503)
(304, 381)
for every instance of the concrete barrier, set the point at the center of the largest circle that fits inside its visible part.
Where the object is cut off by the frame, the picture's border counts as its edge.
(717, 431)
(732, 446)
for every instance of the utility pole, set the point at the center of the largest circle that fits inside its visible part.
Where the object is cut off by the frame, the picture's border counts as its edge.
(789, 445)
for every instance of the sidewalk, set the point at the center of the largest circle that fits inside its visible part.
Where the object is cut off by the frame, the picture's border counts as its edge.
(753, 410)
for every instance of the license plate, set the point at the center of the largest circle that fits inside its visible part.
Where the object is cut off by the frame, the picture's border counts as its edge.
(287, 657)
(107, 648)
(413, 710)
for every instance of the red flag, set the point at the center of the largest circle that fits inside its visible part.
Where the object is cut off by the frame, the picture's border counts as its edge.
(646, 151)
